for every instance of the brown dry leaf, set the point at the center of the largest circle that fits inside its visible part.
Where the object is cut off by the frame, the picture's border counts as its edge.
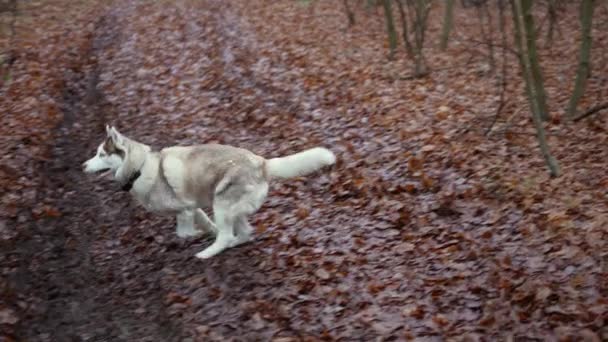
(285, 339)
(414, 164)
(427, 182)
(8, 316)
(261, 228)
(440, 320)
(302, 213)
(412, 310)
(322, 274)
(51, 212)
(543, 293)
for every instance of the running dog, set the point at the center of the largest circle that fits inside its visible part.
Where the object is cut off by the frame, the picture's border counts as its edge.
(180, 180)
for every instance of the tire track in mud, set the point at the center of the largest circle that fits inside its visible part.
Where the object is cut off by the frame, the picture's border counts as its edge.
(71, 263)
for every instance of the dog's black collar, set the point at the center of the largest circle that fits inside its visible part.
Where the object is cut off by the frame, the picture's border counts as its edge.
(129, 184)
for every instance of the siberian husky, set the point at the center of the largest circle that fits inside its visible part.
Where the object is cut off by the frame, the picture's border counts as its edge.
(181, 180)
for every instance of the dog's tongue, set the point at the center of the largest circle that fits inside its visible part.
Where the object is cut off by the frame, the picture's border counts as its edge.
(104, 174)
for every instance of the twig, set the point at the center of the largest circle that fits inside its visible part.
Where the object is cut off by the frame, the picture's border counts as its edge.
(503, 80)
(591, 111)
(501, 105)
(478, 42)
(11, 59)
(350, 15)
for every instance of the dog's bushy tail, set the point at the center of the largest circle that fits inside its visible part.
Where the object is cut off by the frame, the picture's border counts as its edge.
(300, 164)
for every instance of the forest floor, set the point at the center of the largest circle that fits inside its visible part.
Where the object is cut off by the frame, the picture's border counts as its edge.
(427, 228)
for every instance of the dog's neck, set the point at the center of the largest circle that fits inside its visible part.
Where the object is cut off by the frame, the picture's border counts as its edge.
(135, 158)
(129, 184)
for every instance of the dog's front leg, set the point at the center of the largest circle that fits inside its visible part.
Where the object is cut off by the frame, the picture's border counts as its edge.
(185, 224)
(201, 219)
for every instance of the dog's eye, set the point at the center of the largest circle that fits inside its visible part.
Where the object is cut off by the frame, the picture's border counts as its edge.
(102, 154)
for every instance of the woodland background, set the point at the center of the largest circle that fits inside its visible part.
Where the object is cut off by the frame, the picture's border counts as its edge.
(469, 200)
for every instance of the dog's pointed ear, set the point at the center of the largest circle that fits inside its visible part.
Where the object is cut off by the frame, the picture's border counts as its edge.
(116, 137)
(108, 130)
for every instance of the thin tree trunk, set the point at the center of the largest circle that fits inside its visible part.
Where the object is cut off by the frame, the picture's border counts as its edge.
(530, 36)
(584, 68)
(522, 29)
(390, 28)
(349, 13)
(490, 36)
(404, 29)
(552, 12)
(447, 24)
(421, 12)
(487, 37)
(503, 76)
(369, 4)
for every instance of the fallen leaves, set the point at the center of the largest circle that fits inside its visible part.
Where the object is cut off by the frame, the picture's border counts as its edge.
(322, 274)
(423, 227)
(8, 316)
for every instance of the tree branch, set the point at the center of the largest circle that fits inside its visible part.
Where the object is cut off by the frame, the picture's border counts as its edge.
(591, 111)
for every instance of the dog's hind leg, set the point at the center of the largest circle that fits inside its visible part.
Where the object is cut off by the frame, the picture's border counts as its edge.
(185, 224)
(243, 230)
(236, 201)
(201, 219)
(224, 221)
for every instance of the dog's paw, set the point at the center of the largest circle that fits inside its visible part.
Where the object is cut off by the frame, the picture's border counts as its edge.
(204, 254)
(184, 235)
(186, 232)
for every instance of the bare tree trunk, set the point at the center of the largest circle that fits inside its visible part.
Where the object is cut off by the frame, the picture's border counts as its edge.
(530, 36)
(447, 24)
(418, 11)
(370, 4)
(421, 11)
(484, 18)
(404, 30)
(552, 13)
(503, 77)
(490, 36)
(7, 62)
(524, 28)
(390, 28)
(349, 13)
(584, 69)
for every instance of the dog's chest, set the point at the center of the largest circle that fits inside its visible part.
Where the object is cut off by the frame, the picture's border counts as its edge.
(154, 194)
(158, 200)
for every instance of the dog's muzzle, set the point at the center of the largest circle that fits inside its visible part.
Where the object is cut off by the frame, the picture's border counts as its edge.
(85, 168)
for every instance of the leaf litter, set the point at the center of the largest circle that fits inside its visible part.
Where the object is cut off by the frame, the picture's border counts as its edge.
(423, 229)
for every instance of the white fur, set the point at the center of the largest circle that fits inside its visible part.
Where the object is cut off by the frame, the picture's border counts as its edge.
(301, 163)
(231, 219)
(102, 161)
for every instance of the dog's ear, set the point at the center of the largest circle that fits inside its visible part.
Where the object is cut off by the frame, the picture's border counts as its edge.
(108, 130)
(116, 137)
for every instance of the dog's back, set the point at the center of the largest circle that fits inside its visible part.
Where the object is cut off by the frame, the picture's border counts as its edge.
(195, 172)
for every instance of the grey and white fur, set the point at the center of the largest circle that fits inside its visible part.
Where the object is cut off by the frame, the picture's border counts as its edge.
(180, 180)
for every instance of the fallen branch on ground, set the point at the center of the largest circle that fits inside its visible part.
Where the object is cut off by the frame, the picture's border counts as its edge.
(591, 111)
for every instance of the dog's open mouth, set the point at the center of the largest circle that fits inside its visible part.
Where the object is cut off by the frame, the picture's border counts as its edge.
(104, 172)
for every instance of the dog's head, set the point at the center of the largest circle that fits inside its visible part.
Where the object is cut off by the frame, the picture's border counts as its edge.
(110, 153)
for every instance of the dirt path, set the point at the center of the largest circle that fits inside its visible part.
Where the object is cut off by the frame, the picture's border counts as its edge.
(82, 284)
